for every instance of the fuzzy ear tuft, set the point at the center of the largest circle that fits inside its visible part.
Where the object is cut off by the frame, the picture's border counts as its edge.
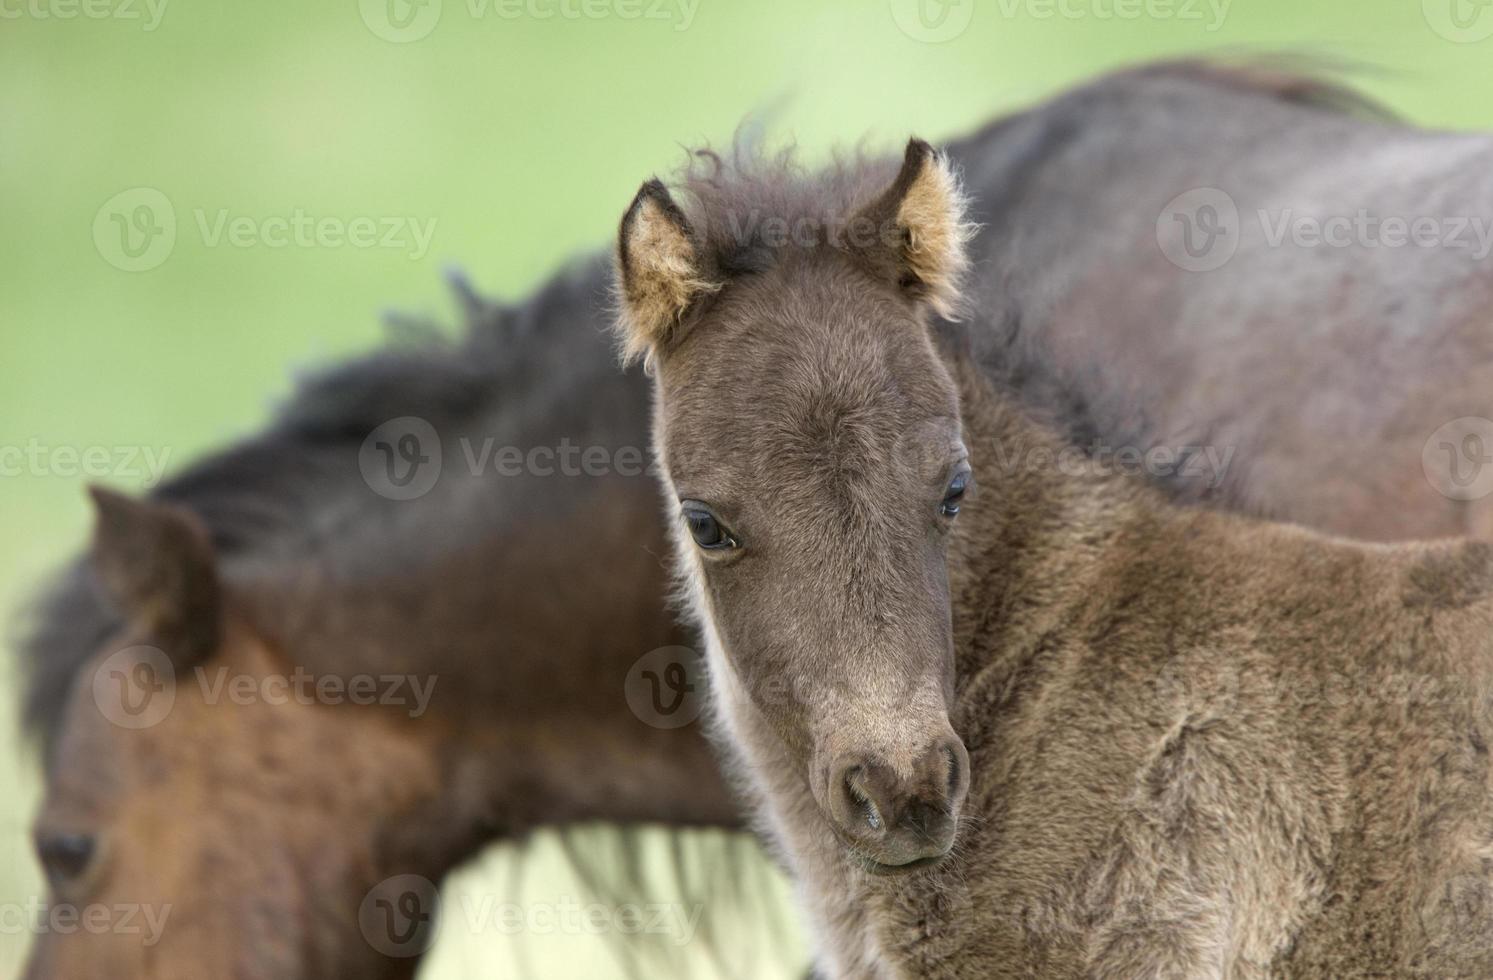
(658, 272)
(157, 566)
(928, 208)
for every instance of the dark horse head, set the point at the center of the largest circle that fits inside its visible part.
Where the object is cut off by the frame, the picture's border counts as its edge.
(278, 702)
(812, 445)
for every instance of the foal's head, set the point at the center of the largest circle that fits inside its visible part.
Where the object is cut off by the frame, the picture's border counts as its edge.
(812, 452)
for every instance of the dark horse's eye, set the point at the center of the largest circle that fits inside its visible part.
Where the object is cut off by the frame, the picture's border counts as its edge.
(64, 857)
(954, 494)
(705, 529)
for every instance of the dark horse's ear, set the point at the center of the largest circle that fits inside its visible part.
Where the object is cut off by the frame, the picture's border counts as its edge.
(658, 272)
(921, 230)
(157, 566)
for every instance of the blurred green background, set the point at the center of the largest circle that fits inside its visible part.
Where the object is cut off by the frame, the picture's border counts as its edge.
(512, 139)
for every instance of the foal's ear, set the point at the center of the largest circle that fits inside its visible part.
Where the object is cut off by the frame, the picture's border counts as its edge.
(658, 272)
(922, 229)
(157, 566)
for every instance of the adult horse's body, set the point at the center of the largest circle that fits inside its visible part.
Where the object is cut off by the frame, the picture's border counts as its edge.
(1080, 730)
(1332, 314)
(492, 620)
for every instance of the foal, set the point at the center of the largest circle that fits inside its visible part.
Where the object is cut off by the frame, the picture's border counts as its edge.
(1075, 730)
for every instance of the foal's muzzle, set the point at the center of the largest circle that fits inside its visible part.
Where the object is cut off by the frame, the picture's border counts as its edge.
(896, 820)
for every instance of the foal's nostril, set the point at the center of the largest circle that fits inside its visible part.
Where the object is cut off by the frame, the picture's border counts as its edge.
(863, 803)
(957, 759)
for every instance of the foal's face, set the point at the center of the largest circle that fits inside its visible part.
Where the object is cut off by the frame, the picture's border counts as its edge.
(811, 443)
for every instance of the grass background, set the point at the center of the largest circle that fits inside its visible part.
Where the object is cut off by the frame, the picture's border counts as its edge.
(520, 138)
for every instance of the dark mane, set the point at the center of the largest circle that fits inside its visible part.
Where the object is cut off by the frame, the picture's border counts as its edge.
(748, 205)
(264, 498)
(1301, 81)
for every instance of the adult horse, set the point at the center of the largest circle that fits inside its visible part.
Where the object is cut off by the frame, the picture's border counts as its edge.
(1064, 726)
(293, 687)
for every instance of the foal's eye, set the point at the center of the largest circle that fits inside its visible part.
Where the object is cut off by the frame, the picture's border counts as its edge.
(954, 494)
(64, 857)
(705, 528)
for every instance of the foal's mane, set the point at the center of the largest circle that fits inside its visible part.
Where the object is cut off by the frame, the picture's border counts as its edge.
(267, 500)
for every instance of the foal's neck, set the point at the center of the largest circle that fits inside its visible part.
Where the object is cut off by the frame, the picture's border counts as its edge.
(1042, 508)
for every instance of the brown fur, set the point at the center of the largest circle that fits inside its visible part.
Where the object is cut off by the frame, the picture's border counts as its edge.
(665, 277)
(264, 825)
(1201, 745)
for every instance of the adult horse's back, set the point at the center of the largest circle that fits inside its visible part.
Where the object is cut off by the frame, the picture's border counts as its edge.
(1248, 261)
